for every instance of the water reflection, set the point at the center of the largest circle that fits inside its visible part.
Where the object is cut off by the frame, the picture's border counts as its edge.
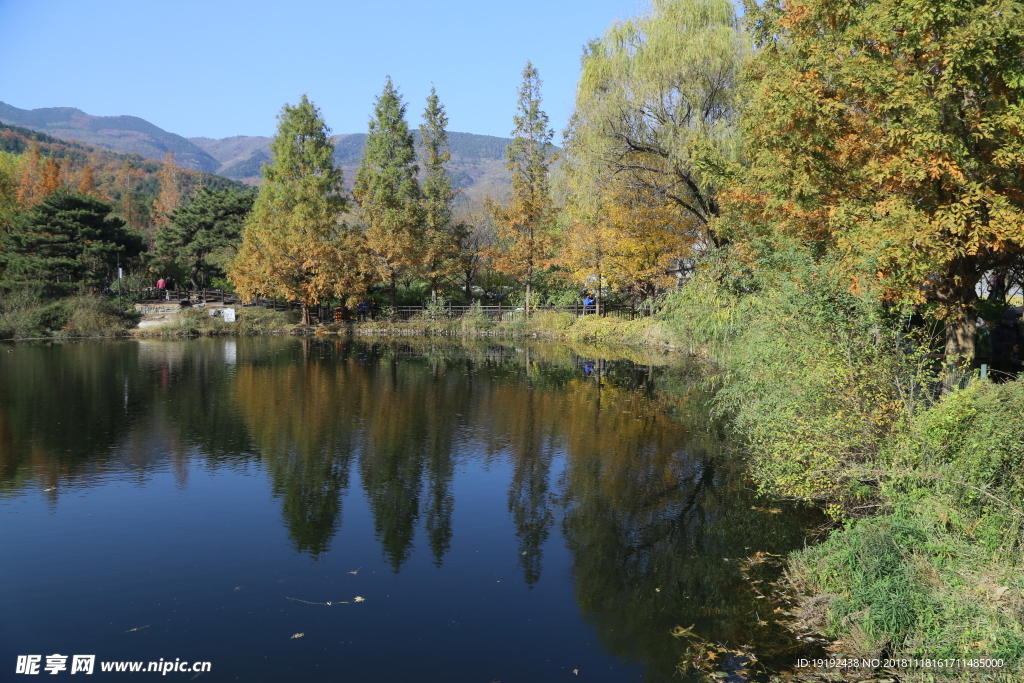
(653, 518)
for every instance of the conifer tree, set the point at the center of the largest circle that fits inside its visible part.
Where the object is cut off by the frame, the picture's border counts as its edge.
(523, 226)
(201, 235)
(87, 181)
(387, 193)
(294, 244)
(169, 199)
(441, 236)
(28, 183)
(65, 240)
(51, 177)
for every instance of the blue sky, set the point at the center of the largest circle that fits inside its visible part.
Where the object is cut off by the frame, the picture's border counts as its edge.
(217, 68)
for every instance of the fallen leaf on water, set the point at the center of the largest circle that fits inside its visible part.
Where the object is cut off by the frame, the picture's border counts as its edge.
(359, 598)
(298, 635)
(137, 628)
(355, 572)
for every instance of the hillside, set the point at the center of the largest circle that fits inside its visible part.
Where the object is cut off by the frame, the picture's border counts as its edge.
(127, 134)
(477, 165)
(129, 181)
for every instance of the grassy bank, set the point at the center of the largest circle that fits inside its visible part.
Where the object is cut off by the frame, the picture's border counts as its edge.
(838, 407)
(27, 315)
(547, 325)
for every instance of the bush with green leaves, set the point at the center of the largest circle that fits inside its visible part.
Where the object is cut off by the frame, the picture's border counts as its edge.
(813, 376)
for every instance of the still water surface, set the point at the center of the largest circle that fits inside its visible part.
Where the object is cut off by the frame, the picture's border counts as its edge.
(471, 513)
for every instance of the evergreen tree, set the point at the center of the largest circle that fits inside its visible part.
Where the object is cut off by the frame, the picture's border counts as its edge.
(200, 235)
(523, 226)
(442, 237)
(64, 241)
(387, 193)
(294, 244)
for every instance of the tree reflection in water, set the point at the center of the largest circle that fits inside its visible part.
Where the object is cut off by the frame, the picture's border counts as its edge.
(651, 507)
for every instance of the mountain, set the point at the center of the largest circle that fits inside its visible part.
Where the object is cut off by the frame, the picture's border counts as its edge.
(477, 165)
(473, 156)
(127, 134)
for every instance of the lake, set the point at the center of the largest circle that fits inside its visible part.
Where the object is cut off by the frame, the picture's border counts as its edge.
(324, 510)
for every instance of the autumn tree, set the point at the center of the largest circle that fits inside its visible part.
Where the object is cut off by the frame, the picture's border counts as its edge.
(87, 180)
(203, 235)
(442, 236)
(625, 238)
(126, 182)
(170, 198)
(523, 225)
(658, 103)
(28, 192)
(294, 244)
(386, 191)
(887, 132)
(51, 180)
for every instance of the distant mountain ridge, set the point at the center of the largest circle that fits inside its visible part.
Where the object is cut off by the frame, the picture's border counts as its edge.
(242, 156)
(477, 165)
(127, 134)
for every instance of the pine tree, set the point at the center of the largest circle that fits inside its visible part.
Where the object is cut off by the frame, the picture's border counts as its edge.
(63, 241)
(387, 193)
(200, 235)
(294, 244)
(442, 237)
(523, 226)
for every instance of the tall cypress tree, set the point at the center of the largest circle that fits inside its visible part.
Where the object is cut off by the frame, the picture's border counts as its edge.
(387, 193)
(523, 225)
(442, 237)
(294, 245)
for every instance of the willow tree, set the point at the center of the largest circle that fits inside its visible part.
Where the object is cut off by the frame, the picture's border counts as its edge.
(294, 245)
(523, 225)
(387, 193)
(443, 237)
(657, 103)
(888, 133)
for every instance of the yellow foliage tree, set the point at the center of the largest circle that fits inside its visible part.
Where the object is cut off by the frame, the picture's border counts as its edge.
(169, 199)
(295, 245)
(523, 226)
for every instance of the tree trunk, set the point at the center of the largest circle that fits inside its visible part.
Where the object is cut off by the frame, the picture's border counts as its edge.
(305, 314)
(394, 291)
(526, 308)
(961, 336)
(597, 309)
